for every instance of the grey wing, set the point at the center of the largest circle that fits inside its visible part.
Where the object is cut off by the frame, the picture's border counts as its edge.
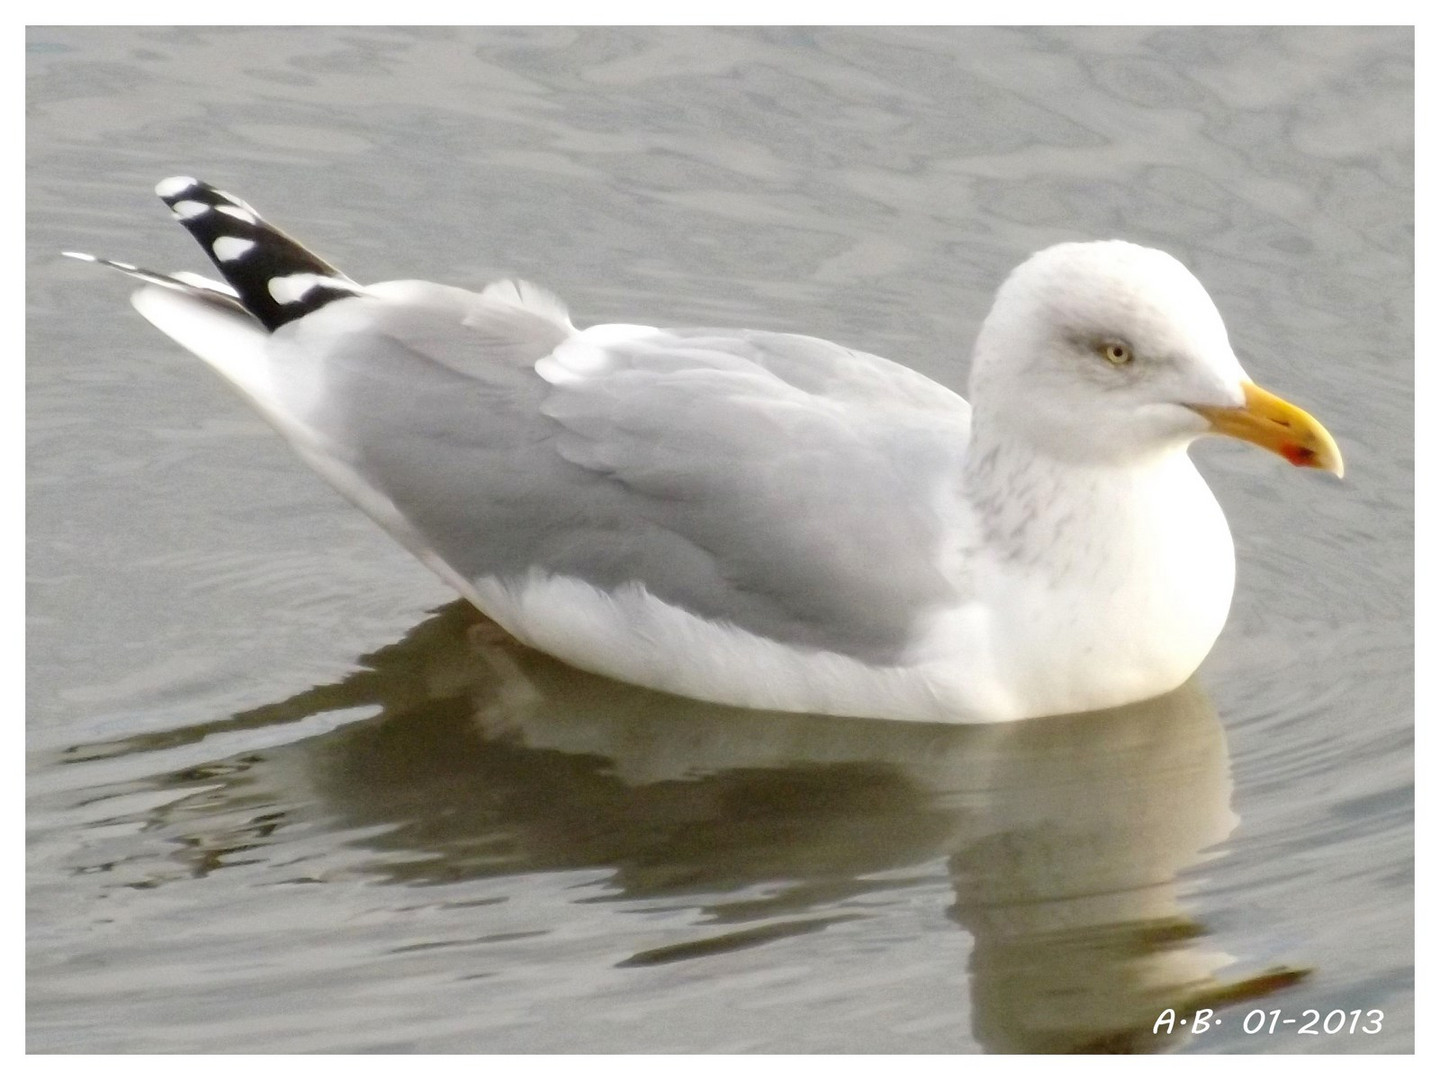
(783, 484)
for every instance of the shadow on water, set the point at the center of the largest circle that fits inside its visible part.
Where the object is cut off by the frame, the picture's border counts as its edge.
(1064, 838)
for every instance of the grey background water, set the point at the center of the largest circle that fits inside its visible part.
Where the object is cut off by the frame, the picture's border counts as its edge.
(275, 805)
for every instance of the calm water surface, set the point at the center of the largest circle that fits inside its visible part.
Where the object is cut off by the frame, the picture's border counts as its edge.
(284, 795)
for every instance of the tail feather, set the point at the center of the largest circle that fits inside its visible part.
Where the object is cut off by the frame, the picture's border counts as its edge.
(274, 277)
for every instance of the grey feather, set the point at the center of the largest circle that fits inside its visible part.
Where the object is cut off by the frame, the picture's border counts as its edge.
(767, 480)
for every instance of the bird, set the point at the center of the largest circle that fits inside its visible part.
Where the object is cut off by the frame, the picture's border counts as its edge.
(765, 519)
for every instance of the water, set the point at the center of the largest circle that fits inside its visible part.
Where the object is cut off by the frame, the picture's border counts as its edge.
(274, 803)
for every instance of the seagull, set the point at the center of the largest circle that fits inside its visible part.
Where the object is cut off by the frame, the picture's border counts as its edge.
(764, 519)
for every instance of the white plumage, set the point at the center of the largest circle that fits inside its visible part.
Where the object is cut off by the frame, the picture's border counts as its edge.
(764, 519)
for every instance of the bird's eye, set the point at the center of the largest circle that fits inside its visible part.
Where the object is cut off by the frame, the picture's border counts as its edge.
(1117, 353)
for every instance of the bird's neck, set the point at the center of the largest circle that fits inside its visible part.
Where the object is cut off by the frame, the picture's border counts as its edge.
(1025, 500)
(1134, 560)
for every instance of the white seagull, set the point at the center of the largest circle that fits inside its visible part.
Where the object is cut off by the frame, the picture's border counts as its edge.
(763, 519)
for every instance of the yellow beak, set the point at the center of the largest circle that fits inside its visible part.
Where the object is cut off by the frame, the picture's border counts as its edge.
(1275, 424)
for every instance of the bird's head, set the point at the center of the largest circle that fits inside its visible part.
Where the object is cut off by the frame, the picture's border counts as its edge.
(1108, 351)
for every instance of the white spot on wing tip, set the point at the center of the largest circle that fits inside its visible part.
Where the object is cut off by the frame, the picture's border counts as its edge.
(79, 255)
(291, 288)
(288, 289)
(230, 248)
(189, 208)
(238, 212)
(174, 185)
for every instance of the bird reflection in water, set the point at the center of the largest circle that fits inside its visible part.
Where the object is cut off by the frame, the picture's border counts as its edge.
(1065, 839)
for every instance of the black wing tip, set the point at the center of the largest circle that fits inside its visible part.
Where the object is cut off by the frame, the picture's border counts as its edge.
(277, 279)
